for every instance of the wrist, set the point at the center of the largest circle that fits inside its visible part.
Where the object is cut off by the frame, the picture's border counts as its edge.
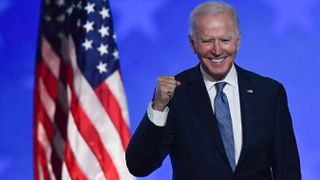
(157, 106)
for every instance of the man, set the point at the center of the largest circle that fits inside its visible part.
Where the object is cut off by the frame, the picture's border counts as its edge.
(216, 120)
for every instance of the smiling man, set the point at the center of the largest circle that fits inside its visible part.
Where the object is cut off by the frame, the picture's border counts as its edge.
(216, 120)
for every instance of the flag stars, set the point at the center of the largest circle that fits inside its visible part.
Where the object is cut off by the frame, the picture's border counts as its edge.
(79, 5)
(115, 54)
(60, 35)
(60, 3)
(104, 31)
(89, 26)
(87, 44)
(79, 23)
(102, 67)
(104, 13)
(61, 18)
(47, 18)
(90, 8)
(103, 49)
(70, 10)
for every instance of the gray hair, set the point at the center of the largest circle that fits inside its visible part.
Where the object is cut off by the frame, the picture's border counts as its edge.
(212, 8)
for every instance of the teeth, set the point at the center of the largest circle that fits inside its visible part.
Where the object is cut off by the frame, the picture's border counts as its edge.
(217, 60)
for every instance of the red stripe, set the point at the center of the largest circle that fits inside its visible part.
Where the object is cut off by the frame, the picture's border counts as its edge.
(35, 155)
(73, 168)
(50, 83)
(90, 134)
(36, 103)
(46, 123)
(40, 116)
(111, 106)
(49, 79)
(44, 163)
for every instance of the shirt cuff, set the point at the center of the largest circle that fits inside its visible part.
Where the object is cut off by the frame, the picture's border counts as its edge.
(158, 118)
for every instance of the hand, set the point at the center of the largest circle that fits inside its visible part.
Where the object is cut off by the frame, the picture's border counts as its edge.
(166, 86)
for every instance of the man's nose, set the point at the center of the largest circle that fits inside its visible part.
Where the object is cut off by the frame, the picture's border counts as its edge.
(216, 49)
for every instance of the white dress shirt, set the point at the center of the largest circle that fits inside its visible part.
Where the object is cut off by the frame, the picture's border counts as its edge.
(232, 92)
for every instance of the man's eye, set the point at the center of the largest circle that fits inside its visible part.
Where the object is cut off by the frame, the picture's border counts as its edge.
(206, 41)
(225, 40)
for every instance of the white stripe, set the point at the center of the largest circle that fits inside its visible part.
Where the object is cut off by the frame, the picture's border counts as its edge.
(46, 100)
(114, 82)
(40, 172)
(50, 58)
(43, 141)
(85, 158)
(101, 121)
(65, 173)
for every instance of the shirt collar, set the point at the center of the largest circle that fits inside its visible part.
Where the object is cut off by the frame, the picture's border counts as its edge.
(231, 78)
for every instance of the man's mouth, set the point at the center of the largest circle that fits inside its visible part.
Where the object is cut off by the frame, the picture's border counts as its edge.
(217, 60)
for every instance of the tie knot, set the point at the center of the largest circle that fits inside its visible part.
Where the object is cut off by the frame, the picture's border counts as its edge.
(220, 86)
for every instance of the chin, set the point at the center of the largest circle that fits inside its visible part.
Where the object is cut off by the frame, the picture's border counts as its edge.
(219, 73)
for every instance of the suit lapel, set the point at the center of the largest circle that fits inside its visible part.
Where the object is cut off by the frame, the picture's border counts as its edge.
(201, 100)
(247, 103)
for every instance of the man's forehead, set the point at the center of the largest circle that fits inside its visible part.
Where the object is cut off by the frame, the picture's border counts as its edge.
(222, 21)
(227, 17)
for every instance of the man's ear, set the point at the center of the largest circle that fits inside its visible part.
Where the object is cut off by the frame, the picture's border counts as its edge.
(192, 43)
(238, 41)
(238, 44)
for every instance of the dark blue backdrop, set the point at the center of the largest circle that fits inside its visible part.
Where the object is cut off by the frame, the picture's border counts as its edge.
(280, 39)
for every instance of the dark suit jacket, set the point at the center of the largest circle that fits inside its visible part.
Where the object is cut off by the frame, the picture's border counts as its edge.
(191, 136)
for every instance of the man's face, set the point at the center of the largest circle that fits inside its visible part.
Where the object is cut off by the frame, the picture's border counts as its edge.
(215, 42)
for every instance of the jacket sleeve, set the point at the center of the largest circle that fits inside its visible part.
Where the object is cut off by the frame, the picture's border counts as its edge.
(146, 149)
(285, 162)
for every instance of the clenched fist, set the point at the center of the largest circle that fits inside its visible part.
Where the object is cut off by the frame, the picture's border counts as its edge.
(164, 92)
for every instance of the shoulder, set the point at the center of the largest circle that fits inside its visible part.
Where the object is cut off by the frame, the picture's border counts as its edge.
(264, 84)
(257, 78)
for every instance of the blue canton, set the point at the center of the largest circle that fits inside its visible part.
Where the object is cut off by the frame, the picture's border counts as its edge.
(89, 23)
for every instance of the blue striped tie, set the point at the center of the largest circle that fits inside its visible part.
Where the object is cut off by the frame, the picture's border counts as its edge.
(223, 116)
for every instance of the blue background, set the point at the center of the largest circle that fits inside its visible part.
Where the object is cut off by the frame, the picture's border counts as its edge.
(280, 39)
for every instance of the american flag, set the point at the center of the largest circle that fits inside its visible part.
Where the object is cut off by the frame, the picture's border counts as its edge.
(81, 126)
